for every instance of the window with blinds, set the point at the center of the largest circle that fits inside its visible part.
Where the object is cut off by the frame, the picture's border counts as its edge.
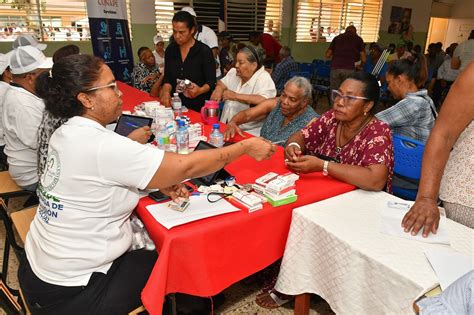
(242, 16)
(273, 16)
(54, 20)
(322, 20)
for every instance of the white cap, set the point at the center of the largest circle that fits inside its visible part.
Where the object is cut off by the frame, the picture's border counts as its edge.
(27, 40)
(4, 62)
(189, 10)
(157, 39)
(28, 58)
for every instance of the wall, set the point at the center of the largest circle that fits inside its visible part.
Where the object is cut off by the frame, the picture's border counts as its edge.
(143, 30)
(143, 24)
(458, 30)
(143, 27)
(309, 51)
(462, 9)
(461, 21)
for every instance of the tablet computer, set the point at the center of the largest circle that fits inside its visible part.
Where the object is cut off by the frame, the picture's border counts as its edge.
(128, 123)
(209, 179)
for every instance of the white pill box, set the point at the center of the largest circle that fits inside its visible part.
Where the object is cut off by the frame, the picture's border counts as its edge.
(282, 184)
(248, 200)
(265, 179)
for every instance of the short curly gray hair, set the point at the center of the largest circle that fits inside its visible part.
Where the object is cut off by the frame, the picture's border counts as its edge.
(303, 84)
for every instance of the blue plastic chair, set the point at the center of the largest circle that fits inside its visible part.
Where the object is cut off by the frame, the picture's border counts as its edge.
(408, 154)
(307, 67)
(303, 74)
(321, 85)
(317, 62)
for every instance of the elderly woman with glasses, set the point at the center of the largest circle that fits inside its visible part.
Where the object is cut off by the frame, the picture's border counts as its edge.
(348, 143)
(77, 249)
(244, 86)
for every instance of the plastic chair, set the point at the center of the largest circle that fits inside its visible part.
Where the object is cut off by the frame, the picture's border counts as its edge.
(303, 74)
(307, 67)
(9, 189)
(321, 85)
(317, 62)
(408, 154)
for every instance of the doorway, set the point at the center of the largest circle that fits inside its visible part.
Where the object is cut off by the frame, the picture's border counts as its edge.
(437, 31)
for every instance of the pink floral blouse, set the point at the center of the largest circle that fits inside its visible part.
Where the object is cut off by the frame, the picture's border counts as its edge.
(373, 144)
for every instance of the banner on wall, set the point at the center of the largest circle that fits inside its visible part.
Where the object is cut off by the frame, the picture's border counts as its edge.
(110, 36)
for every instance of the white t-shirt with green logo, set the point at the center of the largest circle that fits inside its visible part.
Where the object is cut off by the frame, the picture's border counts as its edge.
(87, 193)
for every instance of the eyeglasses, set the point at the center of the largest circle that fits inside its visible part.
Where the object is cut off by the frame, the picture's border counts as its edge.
(348, 99)
(110, 85)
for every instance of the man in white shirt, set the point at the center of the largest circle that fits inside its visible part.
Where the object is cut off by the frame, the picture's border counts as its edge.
(5, 78)
(464, 53)
(22, 115)
(400, 53)
(207, 36)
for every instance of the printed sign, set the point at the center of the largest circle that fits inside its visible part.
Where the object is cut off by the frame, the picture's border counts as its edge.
(110, 36)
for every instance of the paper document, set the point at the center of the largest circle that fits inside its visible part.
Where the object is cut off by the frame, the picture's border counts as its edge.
(391, 224)
(199, 208)
(449, 265)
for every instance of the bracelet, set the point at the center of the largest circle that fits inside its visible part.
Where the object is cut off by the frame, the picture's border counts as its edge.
(295, 144)
(325, 168)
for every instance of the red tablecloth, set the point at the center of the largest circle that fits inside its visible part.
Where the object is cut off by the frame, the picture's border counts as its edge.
(205, 257)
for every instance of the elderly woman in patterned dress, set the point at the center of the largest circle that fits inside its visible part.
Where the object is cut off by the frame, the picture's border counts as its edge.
(348, 143)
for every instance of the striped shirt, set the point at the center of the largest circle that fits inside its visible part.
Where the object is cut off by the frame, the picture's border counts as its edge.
(412, 117)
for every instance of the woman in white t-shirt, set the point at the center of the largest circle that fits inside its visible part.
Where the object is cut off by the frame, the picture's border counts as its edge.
(244, 86)
(77, 258)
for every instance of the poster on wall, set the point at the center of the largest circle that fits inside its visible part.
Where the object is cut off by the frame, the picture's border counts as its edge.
(400, 22)
(110, 36)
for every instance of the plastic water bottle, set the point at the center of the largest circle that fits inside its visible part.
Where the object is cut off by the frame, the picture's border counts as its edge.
(177, 105)
(163, 137)
(182, 139)
(216, 138)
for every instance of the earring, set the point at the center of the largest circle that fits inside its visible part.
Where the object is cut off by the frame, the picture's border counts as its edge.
(365, 113)
(92, 108)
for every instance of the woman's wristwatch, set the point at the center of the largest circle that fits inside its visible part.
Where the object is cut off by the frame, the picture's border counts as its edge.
(325, 168)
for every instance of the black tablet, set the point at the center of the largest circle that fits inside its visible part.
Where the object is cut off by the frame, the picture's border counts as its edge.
(210, 178)
(128, 123)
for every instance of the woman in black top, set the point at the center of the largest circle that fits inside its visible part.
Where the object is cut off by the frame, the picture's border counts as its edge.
(187, 58)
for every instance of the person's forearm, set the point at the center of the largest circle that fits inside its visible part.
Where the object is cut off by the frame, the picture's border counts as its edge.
(363, 58)
(328, 54)
(240, 118)
(218, 91)
(298, 138)
(177, 167)
(250, 99)
(204, 89)
(455, 63)
(166, 89)
(365, 178)
(155, 90)
(435, 157)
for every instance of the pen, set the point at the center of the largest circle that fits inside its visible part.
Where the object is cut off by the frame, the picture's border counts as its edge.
(397, 205)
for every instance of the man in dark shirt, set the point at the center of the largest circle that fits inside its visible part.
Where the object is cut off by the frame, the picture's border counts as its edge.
(225, 57)
(345, 50)
(270, 45)
(282, 70)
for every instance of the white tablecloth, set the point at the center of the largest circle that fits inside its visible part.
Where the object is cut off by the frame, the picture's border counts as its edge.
(335, 250)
